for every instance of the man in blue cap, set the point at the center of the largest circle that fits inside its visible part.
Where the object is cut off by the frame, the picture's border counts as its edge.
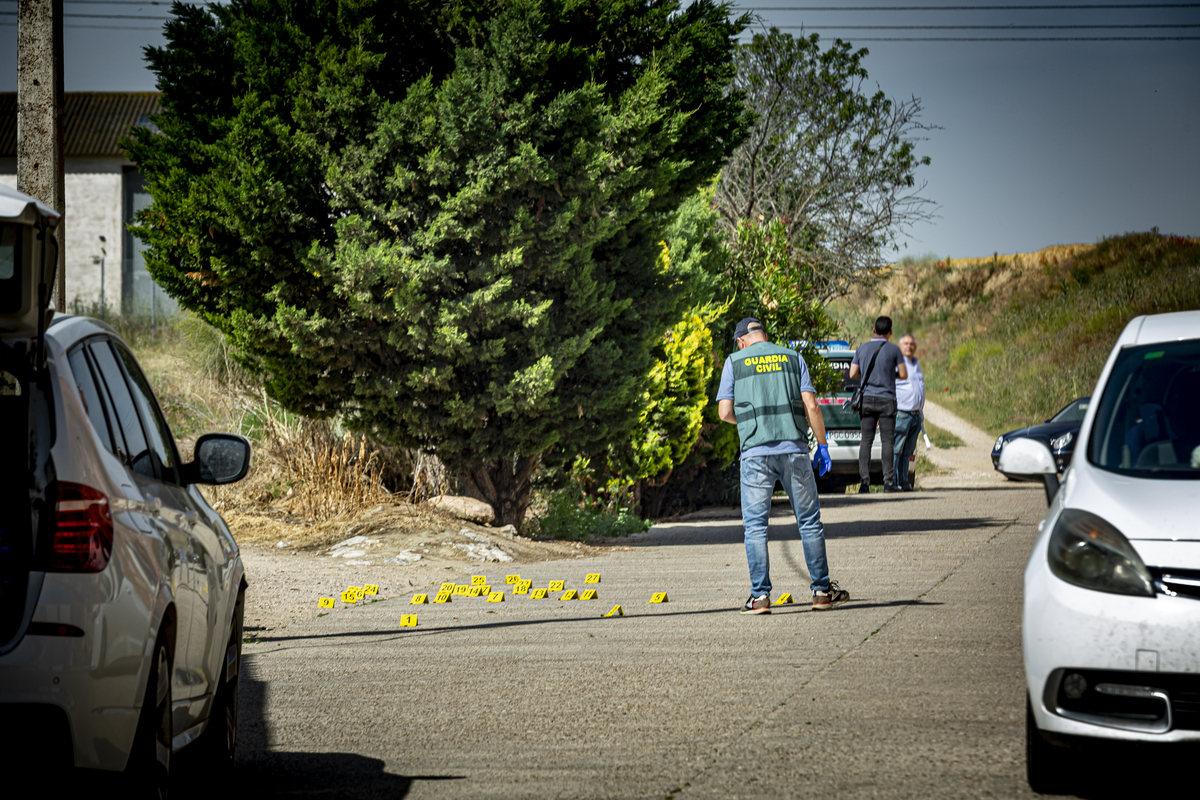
(766, 391)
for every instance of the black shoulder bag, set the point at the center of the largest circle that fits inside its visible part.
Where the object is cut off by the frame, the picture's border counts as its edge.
(855, 403)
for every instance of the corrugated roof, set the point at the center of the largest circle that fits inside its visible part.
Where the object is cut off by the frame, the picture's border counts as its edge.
(94, 121)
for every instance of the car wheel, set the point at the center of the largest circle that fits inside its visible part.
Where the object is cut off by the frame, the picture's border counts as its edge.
(219, 740)
(148, 773)
(1046, 766)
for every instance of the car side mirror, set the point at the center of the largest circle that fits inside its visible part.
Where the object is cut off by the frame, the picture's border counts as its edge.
(1030, 458)
(219, 458)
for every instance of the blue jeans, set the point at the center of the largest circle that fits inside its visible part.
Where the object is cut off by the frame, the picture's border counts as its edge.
(908, 428)
(758, 484)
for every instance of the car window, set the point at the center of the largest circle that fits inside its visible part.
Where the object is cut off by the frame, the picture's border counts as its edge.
(136, 452)
(90, 395)
(842, 365)
(159, 435)
(1146, 424)
(1074, 412)
(10, 274)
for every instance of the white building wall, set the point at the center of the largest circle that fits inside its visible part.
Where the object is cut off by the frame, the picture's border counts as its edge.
(94, 209)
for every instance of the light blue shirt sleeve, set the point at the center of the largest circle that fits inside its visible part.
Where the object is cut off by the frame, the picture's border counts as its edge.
(806, 384)
(725, 390)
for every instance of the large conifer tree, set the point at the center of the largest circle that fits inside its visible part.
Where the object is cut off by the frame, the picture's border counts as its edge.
(439, 219)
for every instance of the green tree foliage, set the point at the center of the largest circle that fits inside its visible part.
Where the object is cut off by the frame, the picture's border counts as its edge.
(440, 219)
(771, 281)
(835, 164)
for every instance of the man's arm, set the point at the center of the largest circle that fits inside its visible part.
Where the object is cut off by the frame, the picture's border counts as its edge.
(902, 371)
(853, 376)
(725, 411)
(815, 420)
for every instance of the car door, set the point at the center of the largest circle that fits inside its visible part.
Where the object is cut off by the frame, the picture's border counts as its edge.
(138, 447)
(201, 552)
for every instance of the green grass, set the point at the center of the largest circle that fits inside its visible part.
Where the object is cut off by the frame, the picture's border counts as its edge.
(941, 437)
(1007, 341)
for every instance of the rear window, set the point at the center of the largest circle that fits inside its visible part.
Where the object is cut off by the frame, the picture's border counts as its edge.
(1146, 424)
(10, 272)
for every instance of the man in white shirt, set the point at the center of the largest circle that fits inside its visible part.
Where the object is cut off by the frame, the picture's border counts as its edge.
(910, 409)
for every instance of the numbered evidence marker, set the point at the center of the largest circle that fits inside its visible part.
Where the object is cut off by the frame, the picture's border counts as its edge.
(784, 600)
(522, 587)
(442, 597)
(617, 611)
(659, 597)
(537, 594)
(478, 580)
(446, 587)
(370, 588)
(475, 591)
(557, 586)
(570, 594)
(592, 577)
(461, 589)
(496, 597)
(349, 597)
(509, 580)
(408, 620)
(325, 602)
(485, 590)
(419, 600)
(590, 594)
(356, 589)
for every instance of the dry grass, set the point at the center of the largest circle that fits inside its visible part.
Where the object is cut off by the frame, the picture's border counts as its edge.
(305, 472)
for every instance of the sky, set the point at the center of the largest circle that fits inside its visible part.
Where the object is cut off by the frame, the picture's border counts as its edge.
(1040, 142)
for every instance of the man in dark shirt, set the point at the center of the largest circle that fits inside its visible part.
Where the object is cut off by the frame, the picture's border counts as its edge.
(879, 401)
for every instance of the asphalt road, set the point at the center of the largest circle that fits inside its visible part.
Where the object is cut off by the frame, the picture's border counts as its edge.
(912, 689)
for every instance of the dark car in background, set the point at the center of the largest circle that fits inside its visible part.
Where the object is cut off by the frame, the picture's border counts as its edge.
(1060, 433)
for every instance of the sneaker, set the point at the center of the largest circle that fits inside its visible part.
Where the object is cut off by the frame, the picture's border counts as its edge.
(829, 597)
(864, 488)
(889, 488)
(757, 605)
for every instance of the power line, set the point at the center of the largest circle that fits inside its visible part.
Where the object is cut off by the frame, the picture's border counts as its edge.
(965, 8)
(976, 27)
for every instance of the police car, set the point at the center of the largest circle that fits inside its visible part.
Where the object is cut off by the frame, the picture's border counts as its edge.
(843, 427)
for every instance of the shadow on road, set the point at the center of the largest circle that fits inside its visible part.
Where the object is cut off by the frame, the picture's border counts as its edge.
(260, 772)
(685, 534)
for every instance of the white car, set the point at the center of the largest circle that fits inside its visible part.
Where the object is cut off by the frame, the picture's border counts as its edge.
(1111, 626)
(121, 590)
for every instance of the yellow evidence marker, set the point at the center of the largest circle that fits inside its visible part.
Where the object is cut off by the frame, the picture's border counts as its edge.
(408, 620)
(509, 580)
(537, 594)
(349, 597)
(355, 589)
(592, 577)
(590, 594)
(479, 580)
(659, 597)
(442, 597)
(617, 611)
(419, 600)
(486, 589)
(475, 591)
(496, 597)
(570, 594)
(784, 600)
(461, 589)
(557, 586)
(370, 588)
(522, 587)
(325, 602)
(446, 587)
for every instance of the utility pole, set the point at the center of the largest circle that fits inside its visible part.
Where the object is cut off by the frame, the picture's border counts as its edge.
(40, 114)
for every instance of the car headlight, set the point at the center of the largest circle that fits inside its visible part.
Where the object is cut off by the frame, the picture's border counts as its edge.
(999, 443)
(1058, 443)
(1089, 552)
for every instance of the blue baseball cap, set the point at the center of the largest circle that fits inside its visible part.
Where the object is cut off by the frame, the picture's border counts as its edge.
(748, 325)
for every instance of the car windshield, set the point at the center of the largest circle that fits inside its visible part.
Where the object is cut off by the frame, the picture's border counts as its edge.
(1074, 412)
(1147, 425)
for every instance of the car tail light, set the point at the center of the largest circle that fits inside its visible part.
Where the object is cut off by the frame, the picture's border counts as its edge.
(83, 531)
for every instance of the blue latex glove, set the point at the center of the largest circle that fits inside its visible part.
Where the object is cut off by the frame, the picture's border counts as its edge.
(822, 463)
